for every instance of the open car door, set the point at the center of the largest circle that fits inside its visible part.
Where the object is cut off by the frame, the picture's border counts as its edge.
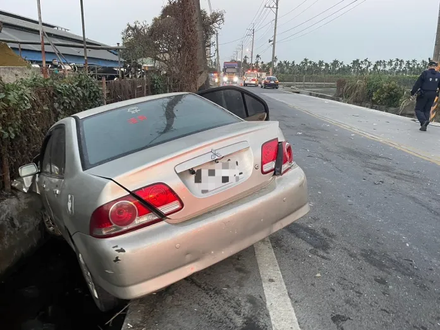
(239, 101)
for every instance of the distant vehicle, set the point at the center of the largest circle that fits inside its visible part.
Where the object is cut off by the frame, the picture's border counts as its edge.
(151, 190)
(230, 73)
(261, 77)
(250, 78)
(270, 82)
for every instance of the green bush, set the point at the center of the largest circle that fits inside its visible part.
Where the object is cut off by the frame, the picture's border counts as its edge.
(29, 107)
(389, 94)
(374, 90)
(158, 84)
(356, 91)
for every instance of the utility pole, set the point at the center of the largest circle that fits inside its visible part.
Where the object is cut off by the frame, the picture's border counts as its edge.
(436, 56)
(218, 59)
(252, 49)
(217, 46)
(119, 61)
(84, 36)
(242, 56)
(274, 41)
(43, 53)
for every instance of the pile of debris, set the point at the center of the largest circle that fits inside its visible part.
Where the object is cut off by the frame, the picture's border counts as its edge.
(9, 58)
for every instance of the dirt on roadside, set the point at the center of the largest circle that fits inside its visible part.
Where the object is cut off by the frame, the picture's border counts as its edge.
(9, 58)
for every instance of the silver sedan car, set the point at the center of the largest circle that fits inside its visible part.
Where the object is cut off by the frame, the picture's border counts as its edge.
(151, 190)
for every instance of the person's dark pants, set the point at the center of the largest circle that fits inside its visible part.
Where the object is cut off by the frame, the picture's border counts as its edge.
(423, 106)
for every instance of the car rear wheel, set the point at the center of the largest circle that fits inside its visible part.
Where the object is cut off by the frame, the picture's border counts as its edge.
(104, 300)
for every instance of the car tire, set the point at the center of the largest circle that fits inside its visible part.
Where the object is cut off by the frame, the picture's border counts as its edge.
(276, 87)
(103, 300)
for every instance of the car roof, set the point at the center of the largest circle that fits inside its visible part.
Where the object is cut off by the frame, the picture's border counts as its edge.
(116, 105)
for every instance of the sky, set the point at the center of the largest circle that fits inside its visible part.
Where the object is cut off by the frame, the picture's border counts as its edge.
(373, 29)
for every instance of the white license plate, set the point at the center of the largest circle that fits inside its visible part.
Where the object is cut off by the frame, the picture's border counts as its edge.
(217, 175)
(271, 82)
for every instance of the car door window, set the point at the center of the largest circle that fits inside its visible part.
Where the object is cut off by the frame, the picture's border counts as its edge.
(45, 164)
(53, 162)
(58, 152)
(231, 100)
(254, 106)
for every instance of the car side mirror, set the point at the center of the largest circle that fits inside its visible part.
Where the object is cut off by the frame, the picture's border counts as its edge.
(239, 101)
(27, 175)
(28, 170)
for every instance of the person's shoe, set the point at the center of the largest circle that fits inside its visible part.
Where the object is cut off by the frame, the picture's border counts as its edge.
(424, 126)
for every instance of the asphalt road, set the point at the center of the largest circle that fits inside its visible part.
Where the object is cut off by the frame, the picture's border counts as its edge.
(367, 255)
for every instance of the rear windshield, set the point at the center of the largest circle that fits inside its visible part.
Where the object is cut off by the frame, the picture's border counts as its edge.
(122, 131)
(251, 75)
(272, 78)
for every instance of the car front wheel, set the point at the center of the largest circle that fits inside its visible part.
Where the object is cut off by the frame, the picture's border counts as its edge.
(104, 300)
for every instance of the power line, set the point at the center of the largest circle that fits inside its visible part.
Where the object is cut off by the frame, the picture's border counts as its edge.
(339, 10)
(264, 34)
(258, 26)
(244, 38)
(293, 9)
(328, 21)
(230, 42)
(261, 8)
(312, 17)
(264, 51)
(290, 20)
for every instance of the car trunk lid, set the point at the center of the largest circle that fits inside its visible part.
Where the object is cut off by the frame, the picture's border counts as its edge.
(206, 170)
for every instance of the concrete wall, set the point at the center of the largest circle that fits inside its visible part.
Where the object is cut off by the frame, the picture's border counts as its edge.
(21, 228)
(10, 74)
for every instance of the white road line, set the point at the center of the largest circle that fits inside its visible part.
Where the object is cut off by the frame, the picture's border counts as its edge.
(282, 314)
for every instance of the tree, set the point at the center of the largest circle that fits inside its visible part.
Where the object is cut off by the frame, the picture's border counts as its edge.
(257, 61)
(177, 39)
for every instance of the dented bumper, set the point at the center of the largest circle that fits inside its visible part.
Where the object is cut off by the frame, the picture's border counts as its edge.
(141, 262)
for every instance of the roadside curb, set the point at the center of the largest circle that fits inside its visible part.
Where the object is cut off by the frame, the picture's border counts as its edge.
(405, 148)
(337, 99)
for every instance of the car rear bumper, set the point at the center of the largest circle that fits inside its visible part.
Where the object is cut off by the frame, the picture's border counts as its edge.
(141, 262)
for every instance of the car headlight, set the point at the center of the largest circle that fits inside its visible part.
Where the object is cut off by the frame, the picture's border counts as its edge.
(216, 79)
(235, 79)
(225, 78)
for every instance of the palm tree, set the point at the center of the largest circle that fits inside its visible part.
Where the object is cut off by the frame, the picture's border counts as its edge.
(257, 60)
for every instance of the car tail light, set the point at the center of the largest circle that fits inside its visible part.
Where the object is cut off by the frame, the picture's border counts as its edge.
(287, 157)
(128, 213)
(269, 156)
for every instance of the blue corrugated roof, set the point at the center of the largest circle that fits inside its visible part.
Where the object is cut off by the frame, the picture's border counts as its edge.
(30, 55)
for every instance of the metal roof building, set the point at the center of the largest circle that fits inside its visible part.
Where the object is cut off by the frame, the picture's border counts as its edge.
(17, 28)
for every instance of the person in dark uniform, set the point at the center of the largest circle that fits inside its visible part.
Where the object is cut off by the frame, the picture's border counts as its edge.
(426, 88)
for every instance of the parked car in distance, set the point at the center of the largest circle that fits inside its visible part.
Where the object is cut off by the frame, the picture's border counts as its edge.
(270, 82)
(151, 190)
